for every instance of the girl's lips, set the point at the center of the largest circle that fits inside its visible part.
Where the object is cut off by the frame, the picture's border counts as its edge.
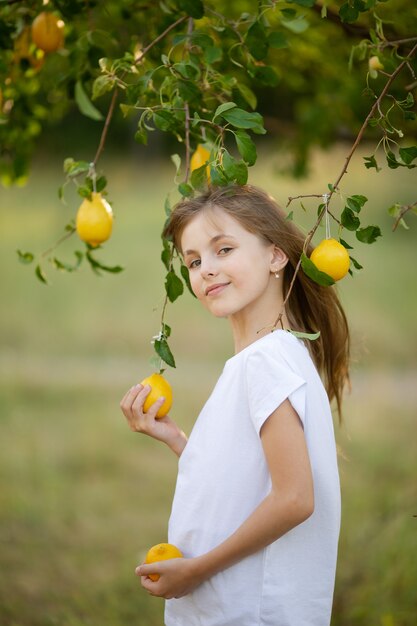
(215, 289)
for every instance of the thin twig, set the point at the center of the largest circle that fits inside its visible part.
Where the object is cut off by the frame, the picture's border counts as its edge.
(56, 244)
(404, 209)
(106, 126)
(370, 115)
(310, 195)
(398, 42)
(115, 92)
(187, 113)
(161, 36)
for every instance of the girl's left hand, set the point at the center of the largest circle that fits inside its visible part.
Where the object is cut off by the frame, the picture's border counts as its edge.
(177, 577)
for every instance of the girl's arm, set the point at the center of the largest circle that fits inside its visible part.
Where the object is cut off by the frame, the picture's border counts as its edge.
(163, 429)
(290, 502)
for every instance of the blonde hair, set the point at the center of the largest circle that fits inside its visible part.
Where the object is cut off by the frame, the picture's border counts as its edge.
(310, 307)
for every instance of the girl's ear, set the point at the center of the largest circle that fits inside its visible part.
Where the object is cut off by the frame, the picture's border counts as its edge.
(279, 259)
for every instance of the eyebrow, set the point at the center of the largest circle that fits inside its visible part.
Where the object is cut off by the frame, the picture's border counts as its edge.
(213, 240)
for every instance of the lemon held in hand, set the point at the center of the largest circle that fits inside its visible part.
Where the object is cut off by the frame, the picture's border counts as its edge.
(94, 220)
(332, 258)
(162, 552)
(159, 387)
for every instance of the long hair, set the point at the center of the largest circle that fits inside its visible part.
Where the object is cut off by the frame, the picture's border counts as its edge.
(310, 307)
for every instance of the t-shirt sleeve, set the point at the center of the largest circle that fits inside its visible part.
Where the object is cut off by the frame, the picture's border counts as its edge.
(270, 381)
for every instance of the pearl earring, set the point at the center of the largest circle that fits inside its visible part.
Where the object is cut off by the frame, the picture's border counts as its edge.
(276, 275)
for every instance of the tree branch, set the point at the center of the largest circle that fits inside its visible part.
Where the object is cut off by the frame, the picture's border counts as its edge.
(115, 93)
(106, 126)
(334, 187)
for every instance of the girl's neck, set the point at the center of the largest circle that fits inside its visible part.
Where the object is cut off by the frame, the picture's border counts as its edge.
(249, 327)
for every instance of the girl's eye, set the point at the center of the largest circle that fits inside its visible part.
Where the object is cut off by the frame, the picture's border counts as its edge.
(225, 250)
(194, 264)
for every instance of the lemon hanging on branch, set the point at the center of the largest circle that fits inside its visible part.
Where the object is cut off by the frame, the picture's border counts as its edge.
(94, 221)
(48, 32)
(332, 258)
(199, 158)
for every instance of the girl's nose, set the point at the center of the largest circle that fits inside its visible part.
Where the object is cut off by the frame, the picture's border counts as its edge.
(208, 270)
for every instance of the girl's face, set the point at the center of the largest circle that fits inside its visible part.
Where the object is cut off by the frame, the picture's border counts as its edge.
(230, 268)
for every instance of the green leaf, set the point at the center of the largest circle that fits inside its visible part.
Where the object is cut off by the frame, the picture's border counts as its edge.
(198, 178)
(59, 265)
(368, 234)
(102, 85)
(141, 136)
(256, 41)
(266, 75)
(193, 8)
(96, 266)
(163, 119)
(74, 168)
(371, 162)
(163, 350)
(356, 203)
(212, 55)
(176, 159)
(40, 274)
(355, 263)
(348, 13)
(297, 26)
(223, 108)
(85, 105)
(166, 330)
(345, 244)
(235, 171)
(349, 219)
(247, 95)
(303, 3)
(310, 336)
(315, 274)
(25, 257)
(186, 276)
(185, 190)
(217, 177)
(166, 254)
(392, 160)
(408, 154)
(173, 286)
(189, 92)
(277, 40)
(239, 118)
(246, 147)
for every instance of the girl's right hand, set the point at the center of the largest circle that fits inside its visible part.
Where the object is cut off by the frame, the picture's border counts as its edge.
(162, 429)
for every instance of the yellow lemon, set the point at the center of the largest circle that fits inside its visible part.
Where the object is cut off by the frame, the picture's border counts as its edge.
(94, 220)
(199, 157)
(159, 387)
(162, 552)
(48, 32)
(332, 258)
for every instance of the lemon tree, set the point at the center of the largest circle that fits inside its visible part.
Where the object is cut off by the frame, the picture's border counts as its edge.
(209, 75)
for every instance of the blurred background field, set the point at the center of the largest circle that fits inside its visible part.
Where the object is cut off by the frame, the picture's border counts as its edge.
(82, 498)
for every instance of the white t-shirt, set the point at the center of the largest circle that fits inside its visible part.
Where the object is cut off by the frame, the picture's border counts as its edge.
(223, 476)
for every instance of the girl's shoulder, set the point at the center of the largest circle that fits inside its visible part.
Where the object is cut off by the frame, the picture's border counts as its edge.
(281, 344)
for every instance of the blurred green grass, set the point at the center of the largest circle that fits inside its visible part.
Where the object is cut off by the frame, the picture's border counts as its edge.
(82, 497)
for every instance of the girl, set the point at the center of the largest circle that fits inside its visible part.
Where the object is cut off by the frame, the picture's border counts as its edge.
(256, 510)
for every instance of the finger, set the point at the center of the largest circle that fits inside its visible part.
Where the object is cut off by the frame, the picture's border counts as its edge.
(129, 397)
(154, 408)
(144, 570)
